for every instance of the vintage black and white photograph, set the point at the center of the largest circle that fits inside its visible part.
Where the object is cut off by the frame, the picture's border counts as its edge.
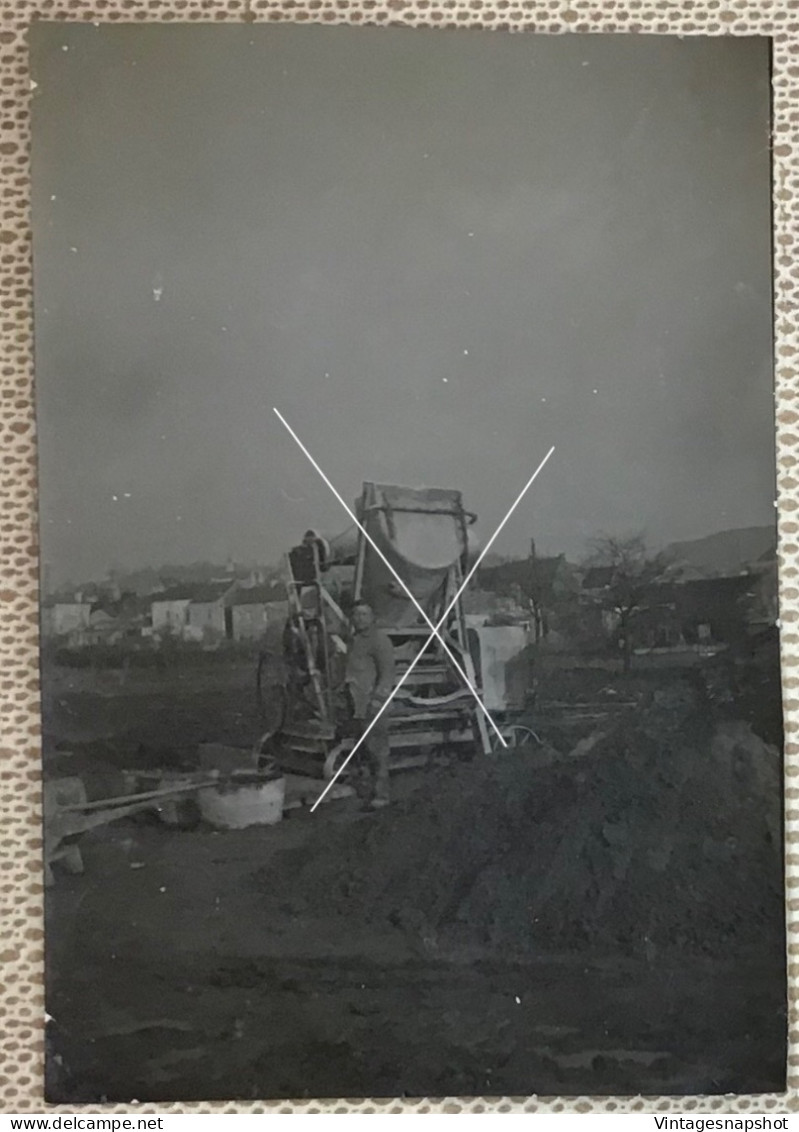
(411, 702)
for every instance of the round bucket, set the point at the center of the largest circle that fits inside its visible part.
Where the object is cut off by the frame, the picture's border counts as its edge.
(238, 804)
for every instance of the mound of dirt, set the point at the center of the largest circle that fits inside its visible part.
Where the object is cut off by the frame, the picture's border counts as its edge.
(666, 833)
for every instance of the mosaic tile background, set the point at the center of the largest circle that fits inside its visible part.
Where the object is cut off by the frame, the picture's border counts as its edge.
(21, 935)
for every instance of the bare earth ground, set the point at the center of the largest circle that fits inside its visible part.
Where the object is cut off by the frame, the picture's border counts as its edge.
(202, 965)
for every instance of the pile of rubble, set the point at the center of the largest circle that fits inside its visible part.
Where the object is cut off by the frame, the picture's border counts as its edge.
(662, 833)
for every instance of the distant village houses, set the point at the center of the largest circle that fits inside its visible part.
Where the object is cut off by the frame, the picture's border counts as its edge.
(226, 609)
(62, 617)
(255, 607)
(710, 601)
(688, 610)
(215, 611)
(84, 618)
(169, 611)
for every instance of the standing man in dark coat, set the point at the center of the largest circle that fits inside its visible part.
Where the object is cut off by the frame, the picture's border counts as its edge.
(370, 678)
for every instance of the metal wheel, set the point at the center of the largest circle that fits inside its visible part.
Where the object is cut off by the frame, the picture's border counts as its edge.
(517, 737)
(335, 757)
(267, 752)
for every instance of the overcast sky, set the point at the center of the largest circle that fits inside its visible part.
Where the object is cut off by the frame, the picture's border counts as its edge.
(436, 252)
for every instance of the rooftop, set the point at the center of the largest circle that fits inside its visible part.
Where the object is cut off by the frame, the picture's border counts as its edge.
(195, 591)
(259, 595)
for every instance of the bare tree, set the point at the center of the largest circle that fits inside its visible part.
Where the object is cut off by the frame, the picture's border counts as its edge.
(625, 571)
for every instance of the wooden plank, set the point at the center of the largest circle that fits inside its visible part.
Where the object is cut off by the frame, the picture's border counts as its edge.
(428, 738)
(135, 799)
(398, 719)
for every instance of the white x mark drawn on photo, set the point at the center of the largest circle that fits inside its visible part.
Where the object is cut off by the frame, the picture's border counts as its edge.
(435, 630)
